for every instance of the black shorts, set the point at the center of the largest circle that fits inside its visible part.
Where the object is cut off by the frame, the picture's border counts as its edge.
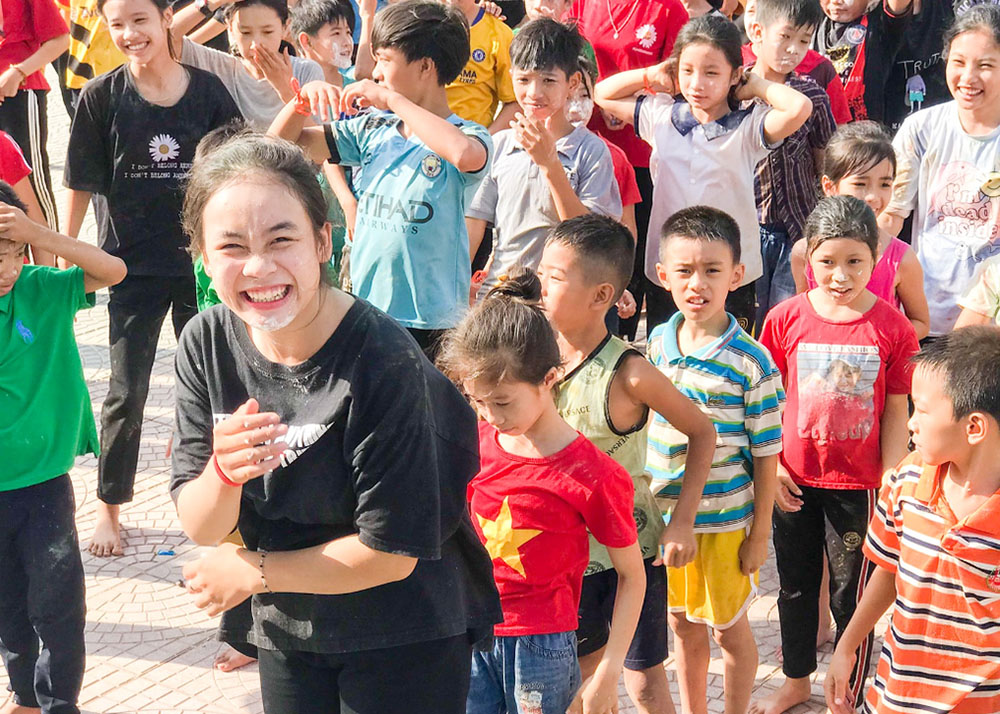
(597, 604)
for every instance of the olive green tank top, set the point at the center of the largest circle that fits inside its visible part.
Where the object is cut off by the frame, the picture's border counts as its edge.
(583, 403)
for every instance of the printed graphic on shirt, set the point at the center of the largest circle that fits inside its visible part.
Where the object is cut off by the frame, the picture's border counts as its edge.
(964, 203)
(299, 438)
(164, 151)
(836, 391)
(503, 540)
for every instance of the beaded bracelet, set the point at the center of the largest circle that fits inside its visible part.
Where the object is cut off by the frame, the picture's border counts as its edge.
(263, 580)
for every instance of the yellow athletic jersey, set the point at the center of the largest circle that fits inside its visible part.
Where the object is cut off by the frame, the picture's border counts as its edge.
(91, 51)
(485, 82)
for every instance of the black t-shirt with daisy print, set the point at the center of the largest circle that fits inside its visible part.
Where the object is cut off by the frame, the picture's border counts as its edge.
(134, 156)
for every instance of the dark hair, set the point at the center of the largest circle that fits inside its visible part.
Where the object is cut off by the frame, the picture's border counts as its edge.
(587, 68)
(10, 197)
(969, 361)
(309, 16)
(605, 246)
(219, 136)
(421, 29)
(506, 336)
(248, 153)
(803, 14)
(856, 148)
(979, 18)
(280, 7)
(841, 217)
(545, 44)
(162, 6)
(719, 32)
(702, 223)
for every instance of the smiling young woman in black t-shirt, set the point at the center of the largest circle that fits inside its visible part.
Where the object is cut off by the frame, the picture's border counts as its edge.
(313, 422)
(131, 145)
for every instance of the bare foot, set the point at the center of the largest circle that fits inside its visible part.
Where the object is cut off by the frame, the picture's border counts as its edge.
(11, 707)
(229, 659)
(791, 693)
(107, 540)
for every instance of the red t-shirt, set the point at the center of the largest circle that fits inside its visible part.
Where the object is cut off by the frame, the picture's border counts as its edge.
(27, 24)
(13, 167)
(533, 516)
(820, 70)
(646, 33)
(836, 377)
(624, 175)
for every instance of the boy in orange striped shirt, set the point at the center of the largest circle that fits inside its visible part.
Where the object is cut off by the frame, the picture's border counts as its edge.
(935, 540)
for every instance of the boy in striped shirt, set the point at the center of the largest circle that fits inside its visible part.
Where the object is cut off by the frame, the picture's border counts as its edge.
(935, 541)
(717, 365)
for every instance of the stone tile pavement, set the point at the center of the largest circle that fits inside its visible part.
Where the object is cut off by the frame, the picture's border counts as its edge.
(149, 649)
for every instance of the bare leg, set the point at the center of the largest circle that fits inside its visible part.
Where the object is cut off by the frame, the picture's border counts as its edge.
(649, 690)
(791, 693)
(739, 654)
(13, 708)
(229, 659)
(824, 634)
(692, 656)
(107, 540)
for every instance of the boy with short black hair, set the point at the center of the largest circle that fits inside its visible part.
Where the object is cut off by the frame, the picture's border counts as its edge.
(734, 381)
(935, 543)
(545, 170)
(322, 30)
(411, 251)
(46, 421)
(785, 184)
(607, 395)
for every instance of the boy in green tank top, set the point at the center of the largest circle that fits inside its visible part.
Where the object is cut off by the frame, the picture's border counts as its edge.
(607, 394)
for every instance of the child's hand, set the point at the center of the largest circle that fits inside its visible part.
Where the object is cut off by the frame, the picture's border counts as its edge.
(753, 553)
(748, 87)
(365, 93)
(788, 495)
(599, 694)
(244, 446)
(837, 685)
(323, 98)
(535, 138)
(275, 66)
(10, 82)
(662, 77)
(223, 579)
(15, 226)
(626, 305)
(493, 9)
(677, 546)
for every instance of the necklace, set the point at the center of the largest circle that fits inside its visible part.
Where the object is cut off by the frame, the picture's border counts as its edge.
(611, 17)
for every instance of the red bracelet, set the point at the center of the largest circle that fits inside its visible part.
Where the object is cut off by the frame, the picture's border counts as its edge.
(645, 82)
(301, 103)
(218, 472)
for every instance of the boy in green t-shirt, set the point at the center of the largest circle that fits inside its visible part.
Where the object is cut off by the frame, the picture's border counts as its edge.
(46, 421)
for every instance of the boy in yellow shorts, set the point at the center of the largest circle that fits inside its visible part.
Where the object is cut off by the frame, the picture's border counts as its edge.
(723, 370)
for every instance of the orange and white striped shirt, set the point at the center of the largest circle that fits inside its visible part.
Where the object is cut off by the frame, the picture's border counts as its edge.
(942, 649)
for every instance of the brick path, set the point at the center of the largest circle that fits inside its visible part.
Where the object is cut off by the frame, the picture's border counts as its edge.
(149, 649)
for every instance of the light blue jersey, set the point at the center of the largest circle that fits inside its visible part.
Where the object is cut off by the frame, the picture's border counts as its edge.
(411, 251)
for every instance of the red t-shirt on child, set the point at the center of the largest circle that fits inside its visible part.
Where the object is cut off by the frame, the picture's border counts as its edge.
(628, 187)
(837, 375)
(27, 25)
(533, 516)
(13, 167)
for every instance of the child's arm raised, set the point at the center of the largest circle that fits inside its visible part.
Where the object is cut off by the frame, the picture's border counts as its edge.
(617, 94)
(893, 432)
(99, 269)
(790, 109)
(462, 151)
(911, 293)
(645, 384)
(879, 594)
(535, 138)
(323, 100)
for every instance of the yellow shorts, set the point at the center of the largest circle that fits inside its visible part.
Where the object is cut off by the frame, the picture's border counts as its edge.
(711, 589)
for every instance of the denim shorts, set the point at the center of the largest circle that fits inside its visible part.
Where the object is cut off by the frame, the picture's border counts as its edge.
(529, 674)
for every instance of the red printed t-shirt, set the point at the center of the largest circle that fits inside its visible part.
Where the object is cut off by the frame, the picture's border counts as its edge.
(13, 167)
(647, 30)
(27, 24)
(837, 375)
(624, 175)
(941, 647)
(533, 515)
(821, 71)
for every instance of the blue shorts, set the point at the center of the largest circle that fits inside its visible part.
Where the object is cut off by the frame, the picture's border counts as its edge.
(529, 674)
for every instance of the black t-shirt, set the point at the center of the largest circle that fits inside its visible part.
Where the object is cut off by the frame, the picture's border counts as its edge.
(862, 52)
(134, 156)
(919, 65)
(382, 445)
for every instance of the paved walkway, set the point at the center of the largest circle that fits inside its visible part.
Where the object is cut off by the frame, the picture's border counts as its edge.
(149, 649)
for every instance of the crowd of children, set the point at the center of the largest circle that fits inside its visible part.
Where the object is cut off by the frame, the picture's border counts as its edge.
(372, 225)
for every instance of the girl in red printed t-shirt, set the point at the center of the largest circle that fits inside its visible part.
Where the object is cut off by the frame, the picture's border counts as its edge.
(540, 488)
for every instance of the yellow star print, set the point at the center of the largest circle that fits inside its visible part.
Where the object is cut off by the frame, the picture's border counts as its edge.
(503, 540)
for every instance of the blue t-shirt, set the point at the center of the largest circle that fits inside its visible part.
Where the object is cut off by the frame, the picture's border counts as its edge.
(410, 256)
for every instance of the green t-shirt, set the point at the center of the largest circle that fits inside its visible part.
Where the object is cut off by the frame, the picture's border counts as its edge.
(46, 419)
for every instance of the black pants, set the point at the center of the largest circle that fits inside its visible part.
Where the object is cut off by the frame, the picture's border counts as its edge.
(136, 310)
(422, 678)
(25, 118)
(42, 596)
(835, 521)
